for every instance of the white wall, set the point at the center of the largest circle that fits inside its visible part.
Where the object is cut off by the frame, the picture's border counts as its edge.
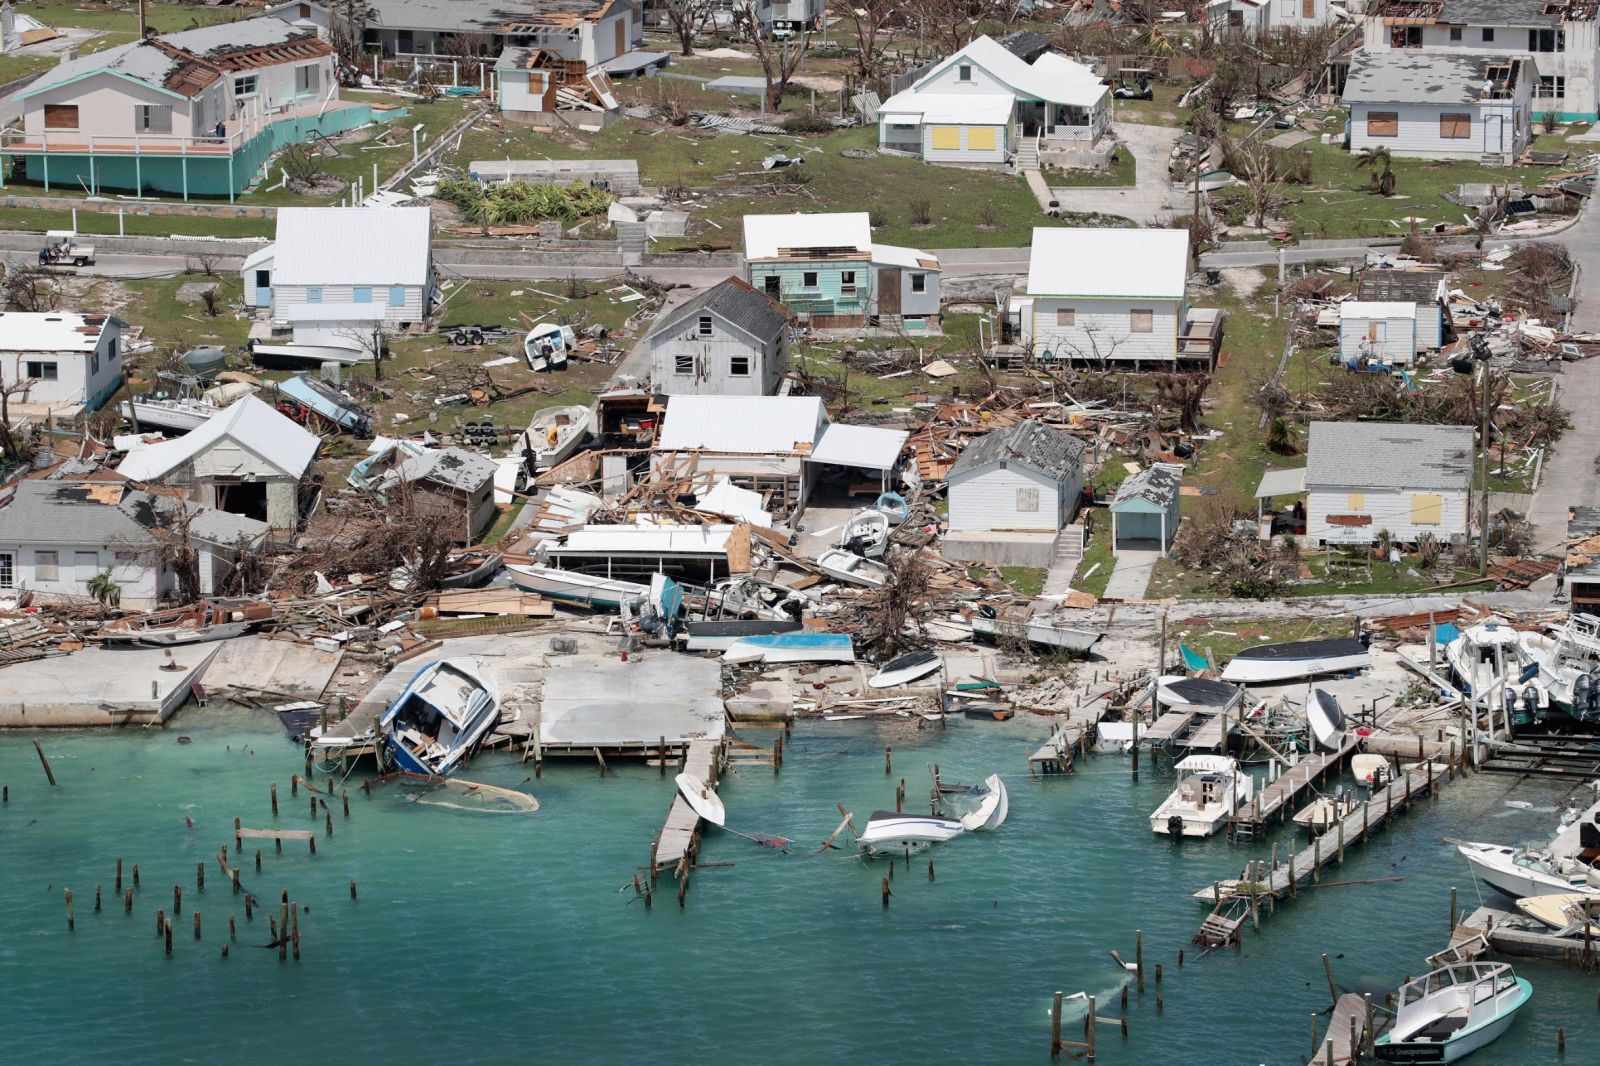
(412, 310)
(105, 105)
(520, 89)
(712, 360)
(78, 563)
(81, 377)
(1101, 331)
(1294, 14)
(1497, 128)
(1389, 508)
(1396, 343)
(949, 81)
(987, 499)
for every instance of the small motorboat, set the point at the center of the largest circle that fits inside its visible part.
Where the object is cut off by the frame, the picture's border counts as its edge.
(992, 809)
(852, 569)
(554, 435)
(438, 721)
(722, 635)
(1325, 721)
(1566, 913)
(572, 586)
(702, 798)
(988, 712)
(792, 648)
(1211, 789)
(1304, 658)
(1520, 872)
(866, 534)
(203, 621)
(168, 413)
(893, 833)
(1325, 812)
(1452, 1012)
(1373, 771)
(751, 596)
(894, 507)
(546, 346)
(470, 569)
(904, 669)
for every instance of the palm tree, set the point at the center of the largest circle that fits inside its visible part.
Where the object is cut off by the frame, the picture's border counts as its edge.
(1382, 167)
(104, 589)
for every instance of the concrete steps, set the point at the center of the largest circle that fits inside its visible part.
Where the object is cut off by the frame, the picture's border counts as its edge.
(1027, 154)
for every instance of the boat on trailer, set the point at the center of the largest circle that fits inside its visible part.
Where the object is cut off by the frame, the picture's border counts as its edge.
(573, 586)
(439, 720)
(1452, 1012)
(1211, 789)
(195, 624)
(1302, 658)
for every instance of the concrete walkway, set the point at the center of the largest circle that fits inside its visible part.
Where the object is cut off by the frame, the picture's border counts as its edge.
(1152, 198)
(1131, 576)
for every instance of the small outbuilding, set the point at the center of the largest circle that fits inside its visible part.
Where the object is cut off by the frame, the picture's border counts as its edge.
(448, 484)
(1377, 333)
(1011, 491)
(1147, 509)
(1425, 288)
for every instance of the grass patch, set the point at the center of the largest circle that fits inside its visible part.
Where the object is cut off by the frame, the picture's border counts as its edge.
(1161, 111)
(1023, 580)
(1122, 173)
(502, 524)
(91, 223)
(162, 17)
(13, 67)
(1094, 569)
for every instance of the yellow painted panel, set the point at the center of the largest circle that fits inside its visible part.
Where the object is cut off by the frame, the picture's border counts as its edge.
(980, 138)
(1427, 509)
(1356, 501)
(947, 138)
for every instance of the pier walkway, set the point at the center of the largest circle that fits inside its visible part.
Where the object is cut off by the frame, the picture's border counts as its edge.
(1073, 734)
(1166, 729)
(1279, 795)
(680, 836)
(1347, 1033)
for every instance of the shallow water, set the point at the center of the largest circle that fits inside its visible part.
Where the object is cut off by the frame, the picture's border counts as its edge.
(501, 938)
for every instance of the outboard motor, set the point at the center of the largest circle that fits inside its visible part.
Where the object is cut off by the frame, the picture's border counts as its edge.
(1510, 699)
(1593, 704)
(1530, 702)
(1175, 826)
(1580, 694)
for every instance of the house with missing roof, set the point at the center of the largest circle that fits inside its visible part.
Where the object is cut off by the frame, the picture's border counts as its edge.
(1427, 289)
(1103, 297)
(1441, 105)
(1251, 17)
(66, 363)
(333, 275)
(1363, 477)
(1561, 38)
(60, 532)
(196, 113)
(250, 460)
(985, 105)
(827, 270)
(731, 340)
(1011, 491)
(448, 484)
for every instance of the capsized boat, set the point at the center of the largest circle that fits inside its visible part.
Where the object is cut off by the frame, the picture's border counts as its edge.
(573, 586)
(1176, 691)
(724, 634)
(792, 648)
(1325, 721)
(702, 798)
(1302, 658)
(1452, 1012)
(440, 718)
(992, 808)
(893, 833)
(1566, 912)
(1520, 872)
(554, 435)
(202, 621)
(904, 669)
(866, 533)
(852, 569)
(1211, 789)
(1050, 630)
(546, 346)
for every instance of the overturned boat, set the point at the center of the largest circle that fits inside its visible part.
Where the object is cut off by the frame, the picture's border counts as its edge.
(440, 718)
(573, 586)
(1303, 658)
(893, 833)
(724, 634)
(203, 621)
(1325, 721)
(904, 669)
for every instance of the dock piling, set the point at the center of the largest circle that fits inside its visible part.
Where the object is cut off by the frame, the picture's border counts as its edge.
(344, 797)
(1138, 957)
(118, 889)
(135, 875)
(1371, 1031)
(274, 799)
(1055, 1025)
(352, 890)
(127, 901)
(886, 893)
(888, 763)
(930, 869)
(168, 931)
(68, 894)
(258, 858)
(233, 931)
(1452, 909)
(97, 899)
(177, 899)
(48, 773)
(197, 925)
(199, 877)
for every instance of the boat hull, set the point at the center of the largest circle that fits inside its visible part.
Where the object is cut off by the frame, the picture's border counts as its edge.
(888, 833)
(1495, 869)
(1254, 671)
(1453, 1050)
(159, 416)
(573, 587)
(1065, 638)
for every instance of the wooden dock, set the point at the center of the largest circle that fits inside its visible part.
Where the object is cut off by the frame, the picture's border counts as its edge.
(1246, 898)
(1073, 734)
(1505, 933)
(1166, 729)
(680, 836)
(1347, 1033)
(1278, 796)
(1212, 733)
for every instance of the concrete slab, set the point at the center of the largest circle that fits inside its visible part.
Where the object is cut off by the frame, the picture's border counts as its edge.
(1037, 550)
(1131, 576)
(100, 687)
(602, 702)
(275, 667)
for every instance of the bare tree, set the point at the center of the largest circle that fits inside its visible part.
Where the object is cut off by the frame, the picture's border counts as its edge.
(872, 19)
(347, 24)
(27, 287)
(687, 18)
(14, 384)
(894, 610)
(779, 59)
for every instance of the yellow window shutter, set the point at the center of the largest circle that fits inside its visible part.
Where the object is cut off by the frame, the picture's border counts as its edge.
(1356, 501)
(947, 138)
(980, 138)
(1427, 509)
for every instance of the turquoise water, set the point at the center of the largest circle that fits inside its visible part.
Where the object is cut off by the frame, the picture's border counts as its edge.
(517, 938)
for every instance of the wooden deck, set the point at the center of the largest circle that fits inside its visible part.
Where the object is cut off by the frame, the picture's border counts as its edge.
(1347, 1033)
(1211, 734)
(1277, 796)
(1072, 734)
(680, 836)
(1166, 729)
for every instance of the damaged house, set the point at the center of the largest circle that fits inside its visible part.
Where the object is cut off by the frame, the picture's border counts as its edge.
(1441, 105)
(729, 341)
(59, 362)
(1363, 477)
(447, 484)
(1011, 492)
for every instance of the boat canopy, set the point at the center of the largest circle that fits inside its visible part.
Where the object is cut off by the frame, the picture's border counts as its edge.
(1220, 764)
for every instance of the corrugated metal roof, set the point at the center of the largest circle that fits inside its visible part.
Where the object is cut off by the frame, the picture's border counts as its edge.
(1051, 452)
(453, 468)
(1281, 483)
(250, 423)
(352, 246)
(1418, 286)
(50, 331)
(1052, 77)
(978, 109)
(1080, 261)
(765, 236)
(759, 425)
(606, 540)
(737, 304)
(1389, 455)
(1376, 309)
(867, 447)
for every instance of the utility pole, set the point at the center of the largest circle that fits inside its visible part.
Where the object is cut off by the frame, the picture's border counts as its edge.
(1483, 471)
(377, 353)
(141, 20)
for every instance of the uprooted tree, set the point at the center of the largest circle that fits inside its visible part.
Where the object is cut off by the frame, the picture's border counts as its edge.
(376, 534)
(894, 611)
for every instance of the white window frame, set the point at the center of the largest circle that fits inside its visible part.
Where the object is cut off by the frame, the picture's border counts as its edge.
(964, 73)
(8, 570)
(246, 86)
(919, 283)
(307, 79)
(1028, 499)
(683, 365)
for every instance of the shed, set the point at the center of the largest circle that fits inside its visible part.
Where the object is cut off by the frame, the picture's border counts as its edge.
(452, 483)
(1377, 333)
(1024, 478)
(1425, 288)
(1146, 510)
(1363, 477)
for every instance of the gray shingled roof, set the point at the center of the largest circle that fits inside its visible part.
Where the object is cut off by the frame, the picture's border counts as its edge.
(1157, 484)
(1025, 44)
(1052, 452)
(454, 468)
(1497, 13)
(59, 512)
(1410, 77)
(483, 15)
(1389, 455)
(736, 303)
(1401, 286)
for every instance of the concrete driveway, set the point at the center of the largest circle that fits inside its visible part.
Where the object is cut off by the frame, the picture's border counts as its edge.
(1153, 198)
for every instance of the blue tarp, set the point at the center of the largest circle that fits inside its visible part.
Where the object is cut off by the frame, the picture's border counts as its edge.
(1446, 633)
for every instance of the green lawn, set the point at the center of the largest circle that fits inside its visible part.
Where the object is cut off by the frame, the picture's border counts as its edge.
(163, 17)
(1162, 111)
(13, 67)
(29, 220)
(1094, 569)
(1024, 580)
(1122, 173)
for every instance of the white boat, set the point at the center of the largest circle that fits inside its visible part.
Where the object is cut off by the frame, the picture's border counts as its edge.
(440, 718)
(1047, 630)
(992, 809)
(1569, 665)
(1371, 770)
(893, 833)
(546, 346)
(1565, 912)
(1114, 738)
(1324, 721)
(195, 624)
(1212, 788)
(1325, 812)
(904, 669)
(573, 586)
(1305, 658)
(1452, 1012)
(303, 355)
(757, 598)
(951, 630)
(792, 648)
(724, 634)
(852, 569)
(702, 798)
(1519, 872)
(866, 533)
(1485, 656)
(177, 415)
(554, 435)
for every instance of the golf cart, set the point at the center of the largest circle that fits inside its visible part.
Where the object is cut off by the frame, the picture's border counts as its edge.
(64, 249)
(1125, 91)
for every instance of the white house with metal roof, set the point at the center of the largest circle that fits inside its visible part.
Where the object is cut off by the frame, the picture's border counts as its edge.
(1441, 105)
(984, 104)
(333, 274)
(729, 341)
(59, 361)
(248, 460)
(1363, 477)
(1378, 332)
(1147, 509)
(1104, 297)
